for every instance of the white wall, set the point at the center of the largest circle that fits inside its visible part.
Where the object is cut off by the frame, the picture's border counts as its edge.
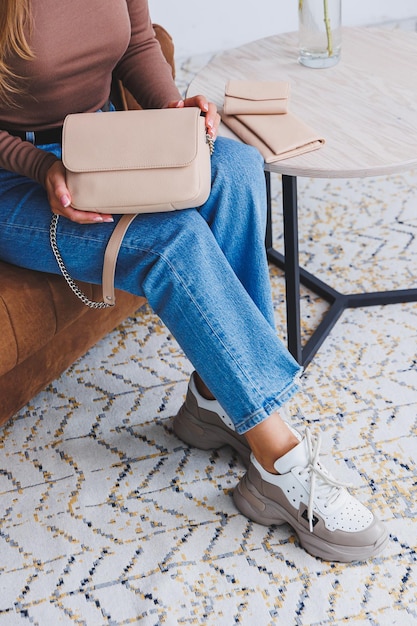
(199, 27)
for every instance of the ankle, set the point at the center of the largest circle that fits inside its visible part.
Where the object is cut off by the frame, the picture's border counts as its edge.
(270, 440)
(202, 388)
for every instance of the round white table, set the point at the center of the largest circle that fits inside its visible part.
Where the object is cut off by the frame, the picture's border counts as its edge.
(366, 109)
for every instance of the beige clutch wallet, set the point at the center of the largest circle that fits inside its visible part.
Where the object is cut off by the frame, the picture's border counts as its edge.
(278, 135)
(251, 97)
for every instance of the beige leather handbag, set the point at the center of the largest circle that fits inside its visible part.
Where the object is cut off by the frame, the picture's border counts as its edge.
(132, 162)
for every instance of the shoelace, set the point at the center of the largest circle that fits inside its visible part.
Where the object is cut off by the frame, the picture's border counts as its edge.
(329, 484)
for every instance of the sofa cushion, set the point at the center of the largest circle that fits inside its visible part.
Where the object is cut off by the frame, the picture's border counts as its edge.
(34, 307)
(8, 347)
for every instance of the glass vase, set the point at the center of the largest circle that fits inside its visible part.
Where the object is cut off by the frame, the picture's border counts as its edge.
(320, 32)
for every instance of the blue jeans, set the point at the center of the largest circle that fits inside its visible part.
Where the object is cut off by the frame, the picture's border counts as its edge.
(203, 271)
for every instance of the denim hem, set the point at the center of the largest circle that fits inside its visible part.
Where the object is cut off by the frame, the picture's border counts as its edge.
(263, 413)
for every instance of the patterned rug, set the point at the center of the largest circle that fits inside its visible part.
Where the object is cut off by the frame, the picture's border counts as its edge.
(108, 519)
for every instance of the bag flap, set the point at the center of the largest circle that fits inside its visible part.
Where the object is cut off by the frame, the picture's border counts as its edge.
(120, 140)
(257, 89)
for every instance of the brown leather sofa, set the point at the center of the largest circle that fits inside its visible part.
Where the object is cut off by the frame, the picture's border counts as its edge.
(44, 327)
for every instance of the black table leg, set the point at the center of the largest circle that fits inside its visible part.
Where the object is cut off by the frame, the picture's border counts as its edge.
(294, 276)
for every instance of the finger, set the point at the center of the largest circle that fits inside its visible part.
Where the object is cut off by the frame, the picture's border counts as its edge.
(197, 101)
(202, 103)
(84, 217)
(56, 185)
(212, 120)
(175, 104)
(65, 200)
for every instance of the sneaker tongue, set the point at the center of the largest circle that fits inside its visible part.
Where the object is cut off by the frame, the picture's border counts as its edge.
(297, 457)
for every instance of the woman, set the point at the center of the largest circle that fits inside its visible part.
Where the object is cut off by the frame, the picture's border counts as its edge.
(204, 271)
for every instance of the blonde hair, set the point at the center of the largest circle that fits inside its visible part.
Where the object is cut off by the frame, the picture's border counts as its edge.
(14, 16)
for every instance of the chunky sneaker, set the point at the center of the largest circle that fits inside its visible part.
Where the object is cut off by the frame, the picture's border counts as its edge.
(203, 424)
(330, 523)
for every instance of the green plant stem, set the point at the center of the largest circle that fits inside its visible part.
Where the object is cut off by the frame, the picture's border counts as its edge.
(327, 24)
(328, 28)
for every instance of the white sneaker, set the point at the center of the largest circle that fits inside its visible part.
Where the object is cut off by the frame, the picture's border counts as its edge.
(329, 522)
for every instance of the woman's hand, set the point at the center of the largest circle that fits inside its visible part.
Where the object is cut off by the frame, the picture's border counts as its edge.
(209, 108)
(59, 198)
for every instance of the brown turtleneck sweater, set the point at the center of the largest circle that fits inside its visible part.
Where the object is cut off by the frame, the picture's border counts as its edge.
(77, 45)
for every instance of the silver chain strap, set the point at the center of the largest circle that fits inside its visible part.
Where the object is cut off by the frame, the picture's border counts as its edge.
(81, 295)
(210, 141)
(73, 286)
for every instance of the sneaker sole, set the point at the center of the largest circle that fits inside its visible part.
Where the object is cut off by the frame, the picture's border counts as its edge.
(264, 511)
(206, 436)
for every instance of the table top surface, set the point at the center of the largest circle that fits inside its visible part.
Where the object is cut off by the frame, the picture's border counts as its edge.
(365, 106)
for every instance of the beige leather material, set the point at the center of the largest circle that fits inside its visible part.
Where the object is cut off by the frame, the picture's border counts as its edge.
(130, 162)
(256, 97)
(137, 161)
(277, 137)
(110, 257)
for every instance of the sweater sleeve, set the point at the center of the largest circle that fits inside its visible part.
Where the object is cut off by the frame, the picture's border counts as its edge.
(139, 63)
(143, 68)
(24, 158)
